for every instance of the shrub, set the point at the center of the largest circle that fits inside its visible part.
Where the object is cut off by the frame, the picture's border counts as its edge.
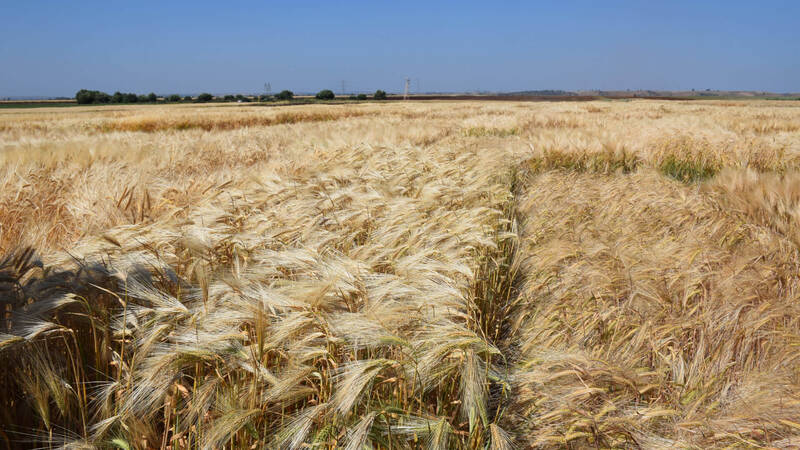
(285, 95)
(265, 98)
(325, 94)
(205, 97)
(379, 95)
(361, 97)
(174, 98)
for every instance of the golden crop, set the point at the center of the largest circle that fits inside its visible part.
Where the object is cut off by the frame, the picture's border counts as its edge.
(401, 275)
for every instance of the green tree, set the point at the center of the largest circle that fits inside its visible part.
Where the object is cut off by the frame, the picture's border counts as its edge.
(361, 97)
(205, 97)
(118, 97)
(152, 97)
(174, 98)
(101, 97)
(285, 95)
(85, 97)
(379, 95)
(131, 98)
(188, 98)
(325, 94)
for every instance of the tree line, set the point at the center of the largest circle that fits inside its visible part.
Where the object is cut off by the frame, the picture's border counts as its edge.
(90, 97)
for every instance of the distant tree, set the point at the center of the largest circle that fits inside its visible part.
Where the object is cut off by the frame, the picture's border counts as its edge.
(174, 98)
(379, 95)
(205, 97)
(188, 98)
(102, 97)
(325, 94)
(361, 97)
(352, 97)
(85, 97)
(229, 98)
(152, 97)
(265, 98)
(242, 98)
(285, 95)
(131, 98)
(118, 97)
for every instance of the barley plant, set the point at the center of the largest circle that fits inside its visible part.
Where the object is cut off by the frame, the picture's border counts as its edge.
(444, 275)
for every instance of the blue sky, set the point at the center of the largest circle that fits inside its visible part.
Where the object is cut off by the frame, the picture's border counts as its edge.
(50, 48)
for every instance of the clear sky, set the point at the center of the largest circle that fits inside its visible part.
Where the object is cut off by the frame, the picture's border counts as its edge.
(50, 48)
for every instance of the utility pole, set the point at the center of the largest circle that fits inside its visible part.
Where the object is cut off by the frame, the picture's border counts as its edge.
(405, 91)
(267, 89)
(344, 83)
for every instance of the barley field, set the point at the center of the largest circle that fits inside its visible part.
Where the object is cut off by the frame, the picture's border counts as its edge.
(401, 275)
